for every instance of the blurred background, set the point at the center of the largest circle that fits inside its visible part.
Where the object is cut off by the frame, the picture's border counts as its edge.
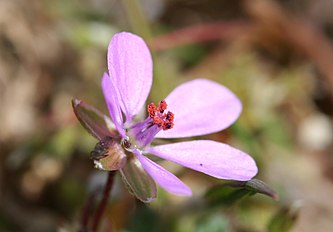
(277, 56)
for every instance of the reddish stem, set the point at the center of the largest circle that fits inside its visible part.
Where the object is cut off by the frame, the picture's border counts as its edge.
(104, 201)
(86, 212)
(199, 34)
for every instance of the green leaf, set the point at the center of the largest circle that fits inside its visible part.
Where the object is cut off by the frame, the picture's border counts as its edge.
(138, 181)
(230, 192)
(284, 219)
(94, 121)
(258, 186)
(224, 196)
(213, 223)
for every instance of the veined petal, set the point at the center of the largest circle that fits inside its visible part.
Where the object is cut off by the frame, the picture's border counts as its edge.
(112, 102)
(212, 158)
(130, 66)
(164, 178)
(201, 107)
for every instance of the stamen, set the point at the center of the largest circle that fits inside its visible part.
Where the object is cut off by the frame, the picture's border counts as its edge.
(162, 105)
(159, 118)
(151, 110)
(142, 133)
(170, 116)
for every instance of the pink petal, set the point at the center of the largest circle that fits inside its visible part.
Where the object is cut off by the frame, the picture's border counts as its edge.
(213, 158)
(110, 95)
(201, 107)
(164, 178)
(130, 66)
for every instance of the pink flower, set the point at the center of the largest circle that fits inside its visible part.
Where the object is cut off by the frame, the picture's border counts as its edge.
(197, 107)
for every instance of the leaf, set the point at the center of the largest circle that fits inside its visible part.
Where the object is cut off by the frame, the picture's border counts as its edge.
(230, 192)
(258, 186)
(94, 121)
(224, 196)
(284, 219)
(138, 181)
(212, 223)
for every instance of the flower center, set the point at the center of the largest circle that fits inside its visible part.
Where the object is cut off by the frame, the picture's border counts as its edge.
(158, 119)
(161, 119)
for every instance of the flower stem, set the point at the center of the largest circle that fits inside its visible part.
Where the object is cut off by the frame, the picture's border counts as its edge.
(86, 212)
(104, 201)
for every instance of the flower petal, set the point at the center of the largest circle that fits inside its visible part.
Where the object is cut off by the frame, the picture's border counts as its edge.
(111, 99)
(212, 158)
(201, 107)
(130, 66)
(164, 178)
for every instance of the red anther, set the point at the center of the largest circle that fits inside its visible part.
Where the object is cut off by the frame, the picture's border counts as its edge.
(167, 125)
(162, 105)
(151, 110)
(158, 121)
(169, 116)
(159, 118)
